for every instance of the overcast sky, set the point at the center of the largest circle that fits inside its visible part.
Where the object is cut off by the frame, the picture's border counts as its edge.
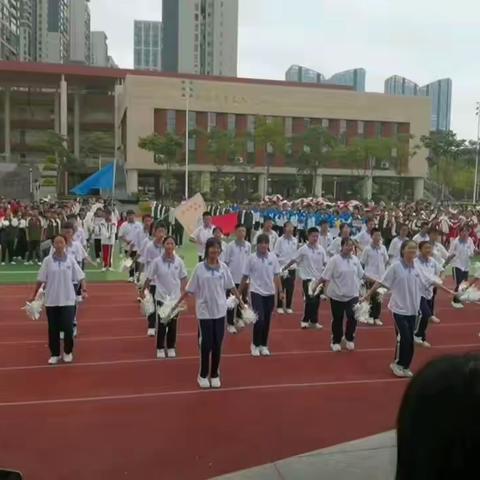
(420, 39)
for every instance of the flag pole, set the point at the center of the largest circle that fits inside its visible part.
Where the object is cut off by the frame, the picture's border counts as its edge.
(114, 177)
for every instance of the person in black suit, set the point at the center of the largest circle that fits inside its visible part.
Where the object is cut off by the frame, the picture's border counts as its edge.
(245, 217)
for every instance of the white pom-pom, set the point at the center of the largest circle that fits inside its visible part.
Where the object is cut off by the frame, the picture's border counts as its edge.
(232, 302)
(314, 288)
(381, 292)
(168, 310)
(249, 316)
(470, 295)
(141, 279)
(284, 274)
(126, 264)
(362, 312)
(34, 309)
(147, 304)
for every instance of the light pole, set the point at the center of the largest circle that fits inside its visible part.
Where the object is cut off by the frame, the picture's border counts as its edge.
(475, 185)
(187, 94)
(30, 177)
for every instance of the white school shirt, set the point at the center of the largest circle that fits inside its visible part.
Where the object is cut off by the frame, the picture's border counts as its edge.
(394, 249)
(364, 239)
(427, 270)
(261, 269)
(272, 236)
(80, 236)
(236, 255)
(59, 275)
(463, 252)
(209, 286)
(97, 227)
(310, 261)
(374, 260)
(201, 235)
(419, 237)
(325, 240)
(406, 285)
(344, 275)
(109, 230)
(75, 250)
(152, 252)
(167, 276)
(128, 231)
(440, 253)
(335, 247)
(285, 249)
(222, 254)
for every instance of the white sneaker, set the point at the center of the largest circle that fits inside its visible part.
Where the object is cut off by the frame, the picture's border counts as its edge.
(255, 351)
(363, 320)
(315, 326)
(130, 279)
(281, 311)
(264, 351)
(203, 382)
(53, 360)
(371, 321)
(350, 346)
(289, 310)
(323, 297)
(160, 353)
(399, 371)
(427, 344)
(79, 299)
(39, 263)
(231, 329)
(151, 332)
(336, 347)
(408, 372)
(62, 335)
(304, 325)
(104, 269)
(75, 331)
(68, 357)
(13, 263)
(457, 305)
(418, 340)
(434, 319)
(171, 353)
(3, 263)
(377, 322)
(215, 382)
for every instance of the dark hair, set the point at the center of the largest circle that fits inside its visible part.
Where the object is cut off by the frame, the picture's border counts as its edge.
(423, 243)
(217, 229)
(404, 245)
(344, 241)
(159, 225)
(312, 230)
(206, 214)
(239, 225)
(287, 223)
(130, 212)
(433, 230)
(68, 226)
(403, 225)
(267, 219)
(212, 242)
(263, 238)
(424, 224)
(323, 222)
(374, 230)
(464, 228)
(61, 236)
(169, 237)
(146, 215)
(437, 424)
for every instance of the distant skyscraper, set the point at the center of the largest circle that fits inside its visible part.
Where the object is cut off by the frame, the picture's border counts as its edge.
(352, 78)
(26, 46)
(147, 45)
(440, 92)
(9, 29)
(98, 49)
(200, 36)
(79, 31)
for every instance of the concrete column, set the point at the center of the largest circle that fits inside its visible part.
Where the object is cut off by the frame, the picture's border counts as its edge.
(319, 185)
(418, 188)
(367, 188)
(205, 182)
(56, 112)
(261, 185)
(76, 125)
(132, 181)
(116, 119)
(63, 108)
(7, 124)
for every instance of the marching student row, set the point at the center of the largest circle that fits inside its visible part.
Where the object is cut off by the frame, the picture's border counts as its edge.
(412, 279)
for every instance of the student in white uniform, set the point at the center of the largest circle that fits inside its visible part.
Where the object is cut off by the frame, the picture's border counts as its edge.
(364, 237)
(336, 245)
(127, 234)
(153, 250)
(202, 233)
(428, 268)
(169, 275)
(310, 259)
(406, 284)
(422, 235)
(374, 260)
(440, 253)
(108, 235)
(461, 252)
(343, 275)
(208, 283)
(267, 230)
(396, 243)
(59, 272)
(325, 238)
(218, 234)
(263, 272)
(236, 256)
(286, 249)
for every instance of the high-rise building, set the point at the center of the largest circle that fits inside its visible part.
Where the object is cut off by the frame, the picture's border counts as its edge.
(440, 92)
(200, 36)
(98, 49)
(354, 78)
(51, 31)
(9, 29)
(26, 47)
(147, 45)
(79, 31)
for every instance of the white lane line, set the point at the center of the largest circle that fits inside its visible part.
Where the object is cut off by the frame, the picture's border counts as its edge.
(173, 393)
(226, 355)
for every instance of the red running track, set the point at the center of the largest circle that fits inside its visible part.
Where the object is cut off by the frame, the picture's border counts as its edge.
(117, 412)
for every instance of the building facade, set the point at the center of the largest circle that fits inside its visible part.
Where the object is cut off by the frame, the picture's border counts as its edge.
(79, 14)
(147, 45)
(200, 37)
(439, 92)
(9, 29)
(26, 47)
(354, 78)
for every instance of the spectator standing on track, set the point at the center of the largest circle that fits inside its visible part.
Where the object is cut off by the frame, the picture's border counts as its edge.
(127, 234)
(267, 230)
(397, 242)
(202, 233)
(59, 272)
(263, 271)
(208, 283)
(167, 272)
(107, 239)
(34, 236)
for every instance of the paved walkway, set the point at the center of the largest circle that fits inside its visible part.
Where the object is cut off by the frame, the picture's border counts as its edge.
(371, 458)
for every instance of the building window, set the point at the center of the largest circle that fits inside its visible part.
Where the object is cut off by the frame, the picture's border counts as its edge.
(307, 122)
(288, 127)
(361, 127)
(171, 120)
(378, 129)
(192, 120)
(250, 146)
(251, 123)
(231, 121)
(325, 122)
(343, 126)
(212, 120)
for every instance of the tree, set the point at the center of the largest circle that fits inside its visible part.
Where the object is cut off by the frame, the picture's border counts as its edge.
(166, 151)
(318, 146)
(96, 144)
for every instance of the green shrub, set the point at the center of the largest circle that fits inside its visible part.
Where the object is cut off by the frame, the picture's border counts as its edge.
(49, 182)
